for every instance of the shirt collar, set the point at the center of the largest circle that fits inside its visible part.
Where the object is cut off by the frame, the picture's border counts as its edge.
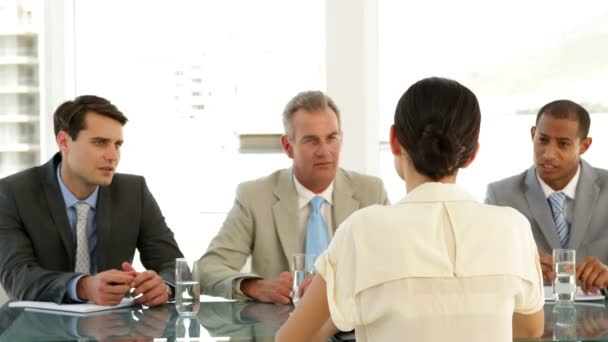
(569, 190)
(437, 192)
(68, 196)
(305, 195)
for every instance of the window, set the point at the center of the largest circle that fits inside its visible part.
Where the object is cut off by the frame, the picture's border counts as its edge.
(514, 59)
(19, 88)
(253, 60)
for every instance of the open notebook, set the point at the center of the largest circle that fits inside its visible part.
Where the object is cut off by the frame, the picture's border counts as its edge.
(82, 308)
(579, 296)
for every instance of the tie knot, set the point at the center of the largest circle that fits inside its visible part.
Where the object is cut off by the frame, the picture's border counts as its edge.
(316, 203)
(557, 199)
(82, 208)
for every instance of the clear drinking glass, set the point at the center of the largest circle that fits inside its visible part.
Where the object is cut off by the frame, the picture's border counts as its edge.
(187, 287)
(564, 285)
(303, 267)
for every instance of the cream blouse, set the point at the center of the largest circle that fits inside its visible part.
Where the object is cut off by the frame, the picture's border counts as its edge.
(436, 265)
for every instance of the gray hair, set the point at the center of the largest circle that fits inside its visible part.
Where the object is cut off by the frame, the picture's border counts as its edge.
(310, 101)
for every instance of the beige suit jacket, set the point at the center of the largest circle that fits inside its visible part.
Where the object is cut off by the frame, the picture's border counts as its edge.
(262, 223)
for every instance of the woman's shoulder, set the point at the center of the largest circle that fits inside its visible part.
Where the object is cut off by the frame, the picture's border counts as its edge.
(502, 215)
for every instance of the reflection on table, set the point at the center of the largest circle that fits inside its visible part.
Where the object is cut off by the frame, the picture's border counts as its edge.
(236, 321)
(242, 321)
(581, 321)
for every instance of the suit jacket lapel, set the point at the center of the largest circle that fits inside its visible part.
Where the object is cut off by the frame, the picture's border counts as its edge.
(540, 209)
(587, 192)
(343, 197)
(56, 204)
(103, 216)
(285, 212)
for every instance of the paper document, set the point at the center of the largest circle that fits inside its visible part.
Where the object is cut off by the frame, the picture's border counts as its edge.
(78, 308)
(579, 296)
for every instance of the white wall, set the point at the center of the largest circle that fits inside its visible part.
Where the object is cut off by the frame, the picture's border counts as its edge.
(352, 78)
(57, 59)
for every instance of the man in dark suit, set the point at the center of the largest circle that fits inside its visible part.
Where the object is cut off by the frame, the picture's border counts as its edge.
(578, 219)
(69, 228)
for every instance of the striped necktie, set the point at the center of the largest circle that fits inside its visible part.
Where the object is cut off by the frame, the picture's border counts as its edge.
(557, 201)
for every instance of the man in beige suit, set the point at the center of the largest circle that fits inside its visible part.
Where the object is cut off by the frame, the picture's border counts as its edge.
(269, 218)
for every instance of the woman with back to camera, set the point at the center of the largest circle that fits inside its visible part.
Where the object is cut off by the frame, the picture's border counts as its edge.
(436, 265)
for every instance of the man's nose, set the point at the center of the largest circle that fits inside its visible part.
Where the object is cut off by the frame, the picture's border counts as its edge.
(112, 153)
(322, 148)
(549, 152)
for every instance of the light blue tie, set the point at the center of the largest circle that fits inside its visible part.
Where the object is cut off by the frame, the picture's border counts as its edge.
(316, 233)
(557, 201)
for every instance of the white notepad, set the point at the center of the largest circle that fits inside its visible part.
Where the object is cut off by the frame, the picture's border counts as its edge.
(579, 296)
(81, 308)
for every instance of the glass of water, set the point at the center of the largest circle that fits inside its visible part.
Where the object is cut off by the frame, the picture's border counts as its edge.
(303, 267)
(187, 287)
(564, 285)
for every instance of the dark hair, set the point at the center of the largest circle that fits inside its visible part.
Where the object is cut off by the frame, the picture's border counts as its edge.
(566, 109)
(437, 122)
(69, 116)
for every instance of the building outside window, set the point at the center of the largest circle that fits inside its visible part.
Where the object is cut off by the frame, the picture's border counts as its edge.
(19, 85)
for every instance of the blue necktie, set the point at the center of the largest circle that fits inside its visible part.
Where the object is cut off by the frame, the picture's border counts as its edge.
(557, 201)
(316, 233)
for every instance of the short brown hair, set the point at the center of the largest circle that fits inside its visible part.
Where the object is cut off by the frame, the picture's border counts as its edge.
(69, 116)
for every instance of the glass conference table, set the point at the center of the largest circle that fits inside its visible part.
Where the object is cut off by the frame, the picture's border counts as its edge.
(236, 321)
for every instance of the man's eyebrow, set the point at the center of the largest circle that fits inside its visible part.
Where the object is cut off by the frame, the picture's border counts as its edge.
(100, 139)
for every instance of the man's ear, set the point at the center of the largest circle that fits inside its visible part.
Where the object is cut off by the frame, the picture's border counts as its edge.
(585, 144)
(287, 147)
(62, 139)
(532, 132)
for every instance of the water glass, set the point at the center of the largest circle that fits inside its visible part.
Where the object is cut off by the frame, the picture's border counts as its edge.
(564, 321)
(303, 267)
(187, 287)
(564, 285)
